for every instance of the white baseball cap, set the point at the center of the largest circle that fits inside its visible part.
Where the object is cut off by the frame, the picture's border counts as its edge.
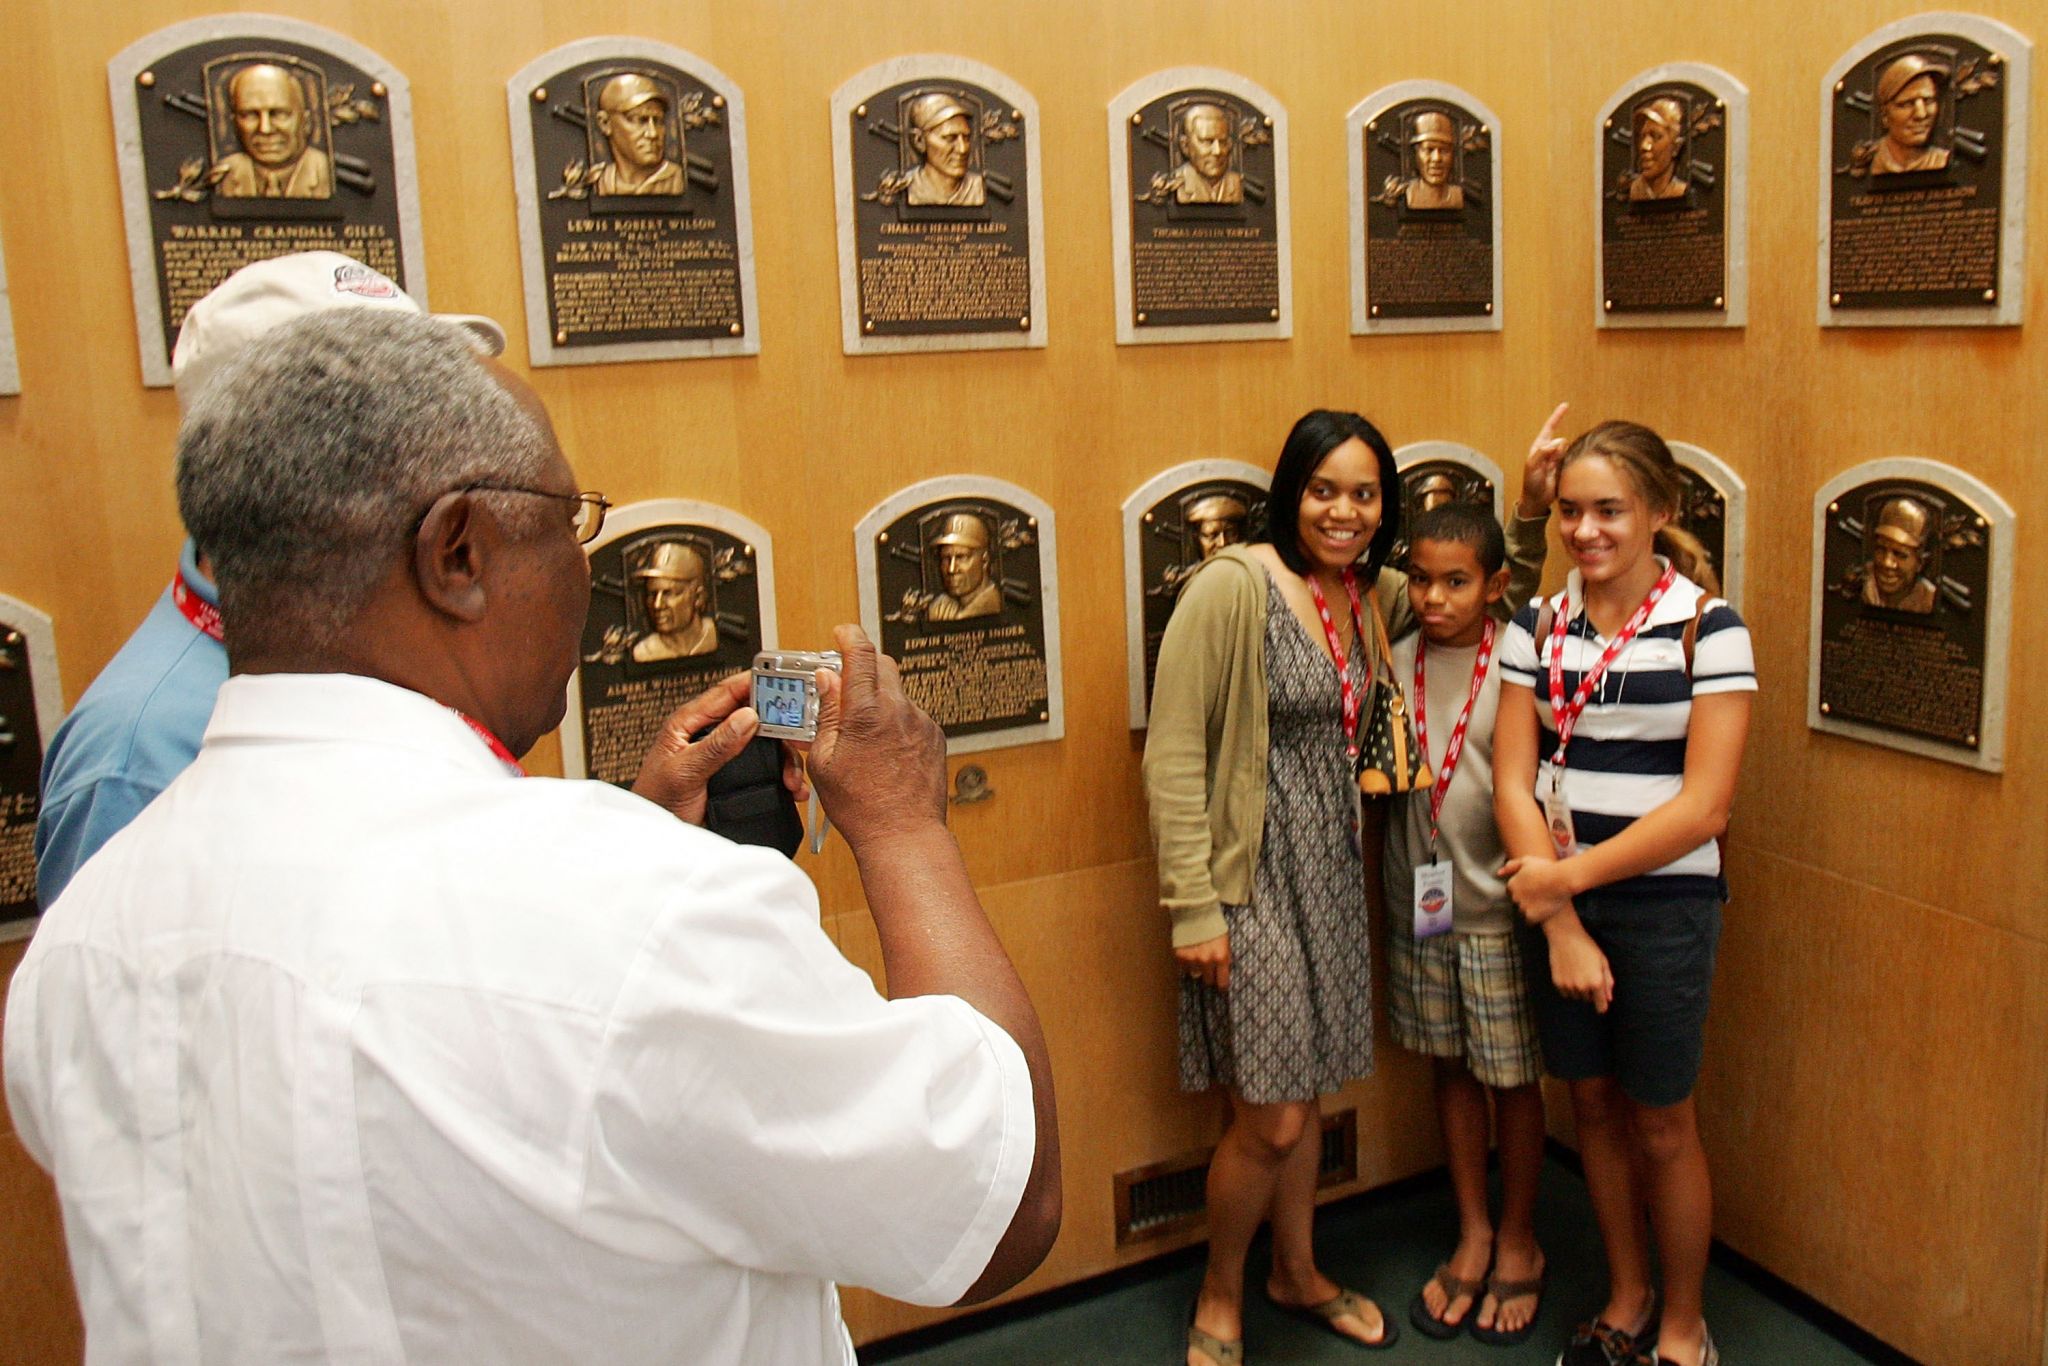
(259, 297)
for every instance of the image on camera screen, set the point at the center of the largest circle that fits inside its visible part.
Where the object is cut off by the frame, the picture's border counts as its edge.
(780, 701)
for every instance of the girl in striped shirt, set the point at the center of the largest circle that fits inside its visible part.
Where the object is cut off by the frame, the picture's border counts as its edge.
(1624, 707)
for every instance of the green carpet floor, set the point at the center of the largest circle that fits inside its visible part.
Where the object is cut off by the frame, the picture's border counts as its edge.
(1386, 1246)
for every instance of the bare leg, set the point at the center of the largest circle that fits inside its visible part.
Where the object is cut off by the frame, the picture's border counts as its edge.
(1519, 1112)
(1681, 1199)
(1461, 1110)
(1242, 1178)
(1606, 1148)
(1295, 1278)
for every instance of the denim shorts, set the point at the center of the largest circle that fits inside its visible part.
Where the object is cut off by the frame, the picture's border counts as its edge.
(1661, 951)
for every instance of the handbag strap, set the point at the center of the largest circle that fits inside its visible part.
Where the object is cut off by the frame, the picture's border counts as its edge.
(1385, 654)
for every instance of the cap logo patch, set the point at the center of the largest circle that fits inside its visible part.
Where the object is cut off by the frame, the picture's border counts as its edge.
(363, 282)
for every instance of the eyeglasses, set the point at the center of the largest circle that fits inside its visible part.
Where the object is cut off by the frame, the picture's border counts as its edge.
(590, 507)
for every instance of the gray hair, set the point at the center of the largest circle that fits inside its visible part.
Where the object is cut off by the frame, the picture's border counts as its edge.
(305, 465)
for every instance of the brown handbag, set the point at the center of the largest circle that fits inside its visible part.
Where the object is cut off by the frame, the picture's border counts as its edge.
(1390, 761)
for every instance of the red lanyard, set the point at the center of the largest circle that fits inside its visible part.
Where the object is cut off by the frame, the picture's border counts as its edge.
(1455, 749)
(1567, 716)
(1337, 652)
(491, 742)
(203, 615)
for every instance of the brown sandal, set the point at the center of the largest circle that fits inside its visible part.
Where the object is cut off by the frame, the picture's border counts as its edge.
(1454, 1287)
(1215, 1348)
(1503, 1291)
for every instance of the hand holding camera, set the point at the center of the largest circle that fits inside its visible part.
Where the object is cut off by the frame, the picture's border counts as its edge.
(879, 762)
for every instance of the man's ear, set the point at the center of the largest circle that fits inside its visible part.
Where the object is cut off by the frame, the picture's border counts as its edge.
(455, 544)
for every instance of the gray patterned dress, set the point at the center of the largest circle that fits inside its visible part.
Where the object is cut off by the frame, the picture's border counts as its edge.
(1297, 1020)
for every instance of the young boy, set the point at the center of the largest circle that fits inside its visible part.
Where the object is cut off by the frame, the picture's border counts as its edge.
(1455, 984)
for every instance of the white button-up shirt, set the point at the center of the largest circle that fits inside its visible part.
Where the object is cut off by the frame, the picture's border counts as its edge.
(356, 1048)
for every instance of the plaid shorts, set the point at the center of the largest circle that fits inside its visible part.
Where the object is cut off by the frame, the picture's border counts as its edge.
(1464, 996)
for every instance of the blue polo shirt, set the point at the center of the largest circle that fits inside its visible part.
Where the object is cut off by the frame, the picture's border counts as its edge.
(136, 728)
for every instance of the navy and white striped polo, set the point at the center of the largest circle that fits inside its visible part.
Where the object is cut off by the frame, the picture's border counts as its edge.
(1627, 755)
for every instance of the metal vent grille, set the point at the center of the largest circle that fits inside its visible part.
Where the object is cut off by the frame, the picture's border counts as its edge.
(1172, 1197)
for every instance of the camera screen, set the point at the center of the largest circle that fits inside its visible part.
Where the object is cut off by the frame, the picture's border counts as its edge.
(780, 701)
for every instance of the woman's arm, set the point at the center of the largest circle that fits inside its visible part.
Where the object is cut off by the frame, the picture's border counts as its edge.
(1193, 672)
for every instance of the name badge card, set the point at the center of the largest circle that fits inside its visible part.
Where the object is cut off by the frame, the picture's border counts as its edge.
(1433, 899)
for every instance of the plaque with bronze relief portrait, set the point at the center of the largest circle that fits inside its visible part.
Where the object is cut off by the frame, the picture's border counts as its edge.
(1922, 208)
(681, 595)
(1912, 587)
(244, 137)
(10, 373)
(1671, 163)
(959, 582)
(1173, 523)
(636, 231)
(1198, 209)
(1437, 472)
(31, 705)
(1425, 211)
(941, 233)
(1713, 506)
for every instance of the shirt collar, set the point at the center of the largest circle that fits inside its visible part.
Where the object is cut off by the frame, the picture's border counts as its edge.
(343, 709)
(1665, 611)
(188, 565)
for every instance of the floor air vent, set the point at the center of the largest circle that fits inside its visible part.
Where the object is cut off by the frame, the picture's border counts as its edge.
(1170, 1197)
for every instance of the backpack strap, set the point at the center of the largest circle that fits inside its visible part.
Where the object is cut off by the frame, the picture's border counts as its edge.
(1690, 641)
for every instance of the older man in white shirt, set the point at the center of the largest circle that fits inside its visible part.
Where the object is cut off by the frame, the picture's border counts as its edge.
(358, 1045)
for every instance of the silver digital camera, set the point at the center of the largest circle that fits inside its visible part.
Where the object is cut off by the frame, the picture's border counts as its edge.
(786, 691)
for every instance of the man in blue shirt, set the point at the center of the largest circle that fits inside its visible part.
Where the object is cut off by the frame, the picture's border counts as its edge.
(140, 722)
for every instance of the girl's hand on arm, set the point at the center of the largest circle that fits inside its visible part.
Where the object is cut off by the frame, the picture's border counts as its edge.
(1208, 961)
(1541, 887)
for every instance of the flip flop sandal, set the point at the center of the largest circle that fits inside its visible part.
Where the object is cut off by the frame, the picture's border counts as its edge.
(1428, 1324)
(1343, 1304)
(1503, 1291)
(1215, 1348)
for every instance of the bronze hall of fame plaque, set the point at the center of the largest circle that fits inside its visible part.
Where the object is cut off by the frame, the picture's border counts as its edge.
(959, 581)
(1922, 203)
(1198, 209)
(1912, 606)
(1714, 507)
(682, 594)
(1437, 472)
(244, 137)
(1425, 211)
(31, 705)
(635, 224)
(1671, 164)
(941, 235)
(1173, 523)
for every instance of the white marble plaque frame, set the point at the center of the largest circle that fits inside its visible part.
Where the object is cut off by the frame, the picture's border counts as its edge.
(856, 90)
(1363, 324)
(131, 61)
(1421, 452)
(10, 369)
(36, 631)
(540, 340)
(1734, 97)
(2010, 307)
(1735, 503)
(1134, 508)
(1135, 97)
(1985, 502)
(868, 576)
(634, 518)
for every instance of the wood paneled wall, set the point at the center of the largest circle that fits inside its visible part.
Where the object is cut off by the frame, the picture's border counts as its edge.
(1877, 1089)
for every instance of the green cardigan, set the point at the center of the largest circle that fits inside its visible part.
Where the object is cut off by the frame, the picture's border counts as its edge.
(1205, 746)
